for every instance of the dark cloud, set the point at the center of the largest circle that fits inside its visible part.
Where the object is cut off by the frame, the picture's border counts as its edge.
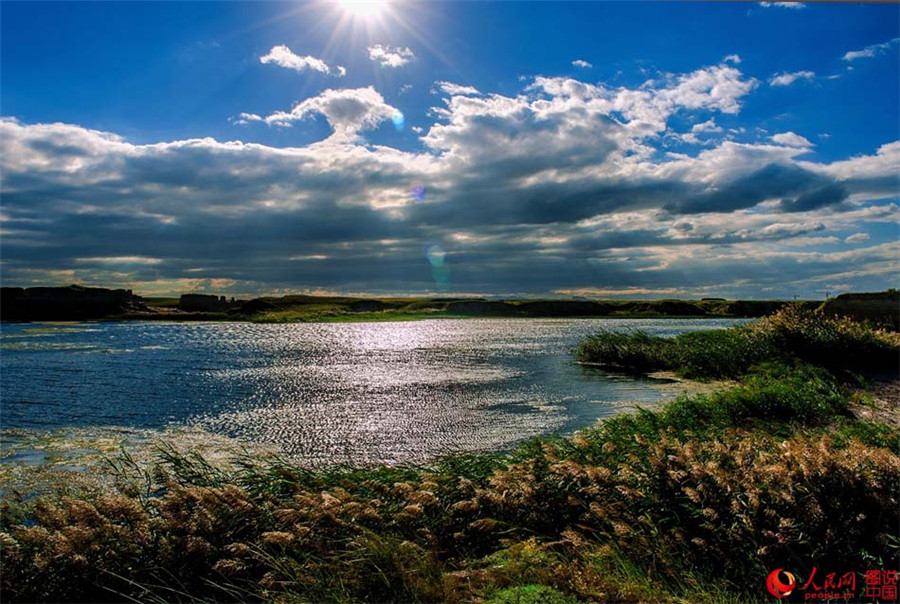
(829, 195)
(775, 181)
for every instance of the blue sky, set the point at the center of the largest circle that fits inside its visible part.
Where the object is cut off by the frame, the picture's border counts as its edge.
(621, 149)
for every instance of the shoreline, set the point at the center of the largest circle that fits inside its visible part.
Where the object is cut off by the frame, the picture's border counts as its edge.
(353, 318)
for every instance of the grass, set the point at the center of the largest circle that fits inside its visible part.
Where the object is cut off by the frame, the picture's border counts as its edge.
(302, 308)
(696, 501)
(792, 334)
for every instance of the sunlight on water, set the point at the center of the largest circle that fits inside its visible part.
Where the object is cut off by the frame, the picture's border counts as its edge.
(352, 392)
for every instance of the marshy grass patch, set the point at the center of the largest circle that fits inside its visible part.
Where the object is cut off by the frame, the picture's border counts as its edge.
(793, 334)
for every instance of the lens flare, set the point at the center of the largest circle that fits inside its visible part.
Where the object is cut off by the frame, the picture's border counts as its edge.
(435, 255)
(441, 276)
(398, 120)
(417, 190)
(440, 272)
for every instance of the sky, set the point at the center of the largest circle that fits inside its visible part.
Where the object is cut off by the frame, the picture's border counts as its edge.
(585, 149)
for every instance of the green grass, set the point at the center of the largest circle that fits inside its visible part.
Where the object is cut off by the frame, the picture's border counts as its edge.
(161, 302)
(792, 334)
(696, 501)
(303, 308)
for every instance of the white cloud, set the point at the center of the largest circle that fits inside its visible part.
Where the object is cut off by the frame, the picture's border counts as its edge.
(857, 238)
(390, 56)
(791, 139)
(581, 63)
(870, 51)
(867, 176)
(348, 111)
(719, 87)
(455, 89)
(793, 5)
(707, 126)
(736, 59)
(245, 118)
(786, 78)
(284, 57)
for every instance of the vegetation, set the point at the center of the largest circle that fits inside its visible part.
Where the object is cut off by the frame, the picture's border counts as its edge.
(301, 308)
(794, 334)
(291, 309)
(697, 501)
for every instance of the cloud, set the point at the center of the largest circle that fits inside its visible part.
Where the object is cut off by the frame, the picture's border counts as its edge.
(857, 238)
(455, 89)
(791, 139)
(707, 127)
(868, 175)
(390, 56)
(120, 260)
(829, 194)
(720, 88)
(786, 79)
(245, 118)
(284, 57)
(791, 5)
(581, 63)
(347, 111)
(870, 51)
(560, 186)
(797, 189)
(624, 292)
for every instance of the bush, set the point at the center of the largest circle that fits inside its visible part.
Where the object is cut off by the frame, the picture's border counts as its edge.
(530, 594)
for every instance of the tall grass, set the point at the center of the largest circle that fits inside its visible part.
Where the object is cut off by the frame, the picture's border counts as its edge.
(793, 334)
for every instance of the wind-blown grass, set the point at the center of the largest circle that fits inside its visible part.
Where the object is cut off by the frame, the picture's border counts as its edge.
(696, 501)
(793, 334)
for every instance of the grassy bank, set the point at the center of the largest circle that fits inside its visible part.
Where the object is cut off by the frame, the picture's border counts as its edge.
(794, 334)
(301, 308)
(696, 501)
(292, 309)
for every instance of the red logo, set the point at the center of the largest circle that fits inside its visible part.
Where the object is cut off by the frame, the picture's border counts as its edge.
(778, 588)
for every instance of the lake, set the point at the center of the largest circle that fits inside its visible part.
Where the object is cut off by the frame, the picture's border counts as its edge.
(334, 392)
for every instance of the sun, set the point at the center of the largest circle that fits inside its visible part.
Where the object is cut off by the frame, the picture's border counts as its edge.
(362, 8)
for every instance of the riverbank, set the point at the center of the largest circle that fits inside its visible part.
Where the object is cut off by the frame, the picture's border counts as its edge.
(84, 303)
(698, 500)
(76, 303)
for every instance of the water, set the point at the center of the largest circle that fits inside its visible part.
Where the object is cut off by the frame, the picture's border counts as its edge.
(347, 392)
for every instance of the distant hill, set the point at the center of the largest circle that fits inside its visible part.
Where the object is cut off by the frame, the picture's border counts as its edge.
(882, 308)
(66, 303)
(80, 303)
